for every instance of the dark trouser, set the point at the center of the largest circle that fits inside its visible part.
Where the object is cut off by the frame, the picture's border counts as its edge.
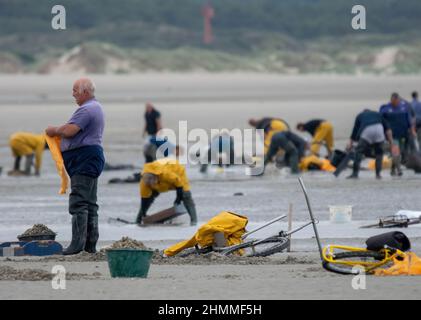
(28, 163)
(213, 155)
(402, 157)
(17, 163)
(149, 151)
(84, 210)
(361, 148)
(190, 206)
(280, 141)
(187, 201)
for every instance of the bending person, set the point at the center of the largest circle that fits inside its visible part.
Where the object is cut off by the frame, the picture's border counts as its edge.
(369, 132)
(162, 176)
(270, 126)
(220, 151)
(31, 146)
(322, 133)
(293, 146)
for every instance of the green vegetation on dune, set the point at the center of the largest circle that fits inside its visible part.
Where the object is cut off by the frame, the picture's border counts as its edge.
(289, 36)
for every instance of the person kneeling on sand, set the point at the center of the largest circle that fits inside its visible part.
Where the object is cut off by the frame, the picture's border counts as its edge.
(270, 126)
(322, 133)
(162, 176)
(81, 148)
(29, 145)
(293, 146)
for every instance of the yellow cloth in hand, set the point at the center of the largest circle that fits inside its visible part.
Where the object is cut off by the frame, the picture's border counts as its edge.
(54, 145)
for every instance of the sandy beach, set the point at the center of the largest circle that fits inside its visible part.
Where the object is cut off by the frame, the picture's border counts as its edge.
(32, 102)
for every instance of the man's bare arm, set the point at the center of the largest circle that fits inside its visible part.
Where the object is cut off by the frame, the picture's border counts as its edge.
(66, 131)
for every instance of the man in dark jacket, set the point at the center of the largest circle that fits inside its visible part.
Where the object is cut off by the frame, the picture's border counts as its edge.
(152, 126)
(293, 146)
(370, 131)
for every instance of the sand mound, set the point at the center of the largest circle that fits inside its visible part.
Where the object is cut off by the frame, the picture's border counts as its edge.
(37, 230)
(126, 243)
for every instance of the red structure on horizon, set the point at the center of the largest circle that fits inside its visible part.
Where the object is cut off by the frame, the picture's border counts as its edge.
(208, 14)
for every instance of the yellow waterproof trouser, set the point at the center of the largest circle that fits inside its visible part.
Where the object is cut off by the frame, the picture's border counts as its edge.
(323, 134)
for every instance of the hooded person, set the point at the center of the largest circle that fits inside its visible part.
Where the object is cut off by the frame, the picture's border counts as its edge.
(162, 176)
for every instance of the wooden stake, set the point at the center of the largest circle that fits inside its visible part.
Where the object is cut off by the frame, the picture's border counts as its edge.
(289, 226)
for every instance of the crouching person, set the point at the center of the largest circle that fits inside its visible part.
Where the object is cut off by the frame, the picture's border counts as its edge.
(29, 145)
(81, 148)
(292, 145)
(162, 176)
(370, 132)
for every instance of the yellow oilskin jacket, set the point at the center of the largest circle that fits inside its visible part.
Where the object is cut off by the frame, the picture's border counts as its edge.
(323, 164)
(171, 175)
(54, 145)
(409, 266)
(275, 127)
(25, 143)
(232, 225)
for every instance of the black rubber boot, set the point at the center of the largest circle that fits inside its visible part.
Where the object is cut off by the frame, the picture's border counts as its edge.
(92, 230)
(139, 217)
(28, 164)
(379, 165)
(92, 235)
(79, 231)
(191, 207)
(17, 163)
(293, 162)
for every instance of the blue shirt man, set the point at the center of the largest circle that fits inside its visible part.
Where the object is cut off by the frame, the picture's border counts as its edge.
(398, 114)
(83, 157)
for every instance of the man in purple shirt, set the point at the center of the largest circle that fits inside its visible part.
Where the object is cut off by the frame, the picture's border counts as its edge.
(81, 147)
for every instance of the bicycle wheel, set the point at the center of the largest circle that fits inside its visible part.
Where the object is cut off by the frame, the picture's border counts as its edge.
(261, 248)
(366, 257)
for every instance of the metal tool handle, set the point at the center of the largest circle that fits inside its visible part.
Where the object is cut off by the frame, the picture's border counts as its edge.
(263, 226)
(313, 221)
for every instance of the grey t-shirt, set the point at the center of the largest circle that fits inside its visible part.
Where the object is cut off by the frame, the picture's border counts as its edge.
(89, 117)
(373, 133)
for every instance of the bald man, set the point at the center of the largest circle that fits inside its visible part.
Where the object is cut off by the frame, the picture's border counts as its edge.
(81, 147)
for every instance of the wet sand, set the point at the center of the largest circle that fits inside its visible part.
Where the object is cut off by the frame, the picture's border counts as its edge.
(298, 277)
(30, 103)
